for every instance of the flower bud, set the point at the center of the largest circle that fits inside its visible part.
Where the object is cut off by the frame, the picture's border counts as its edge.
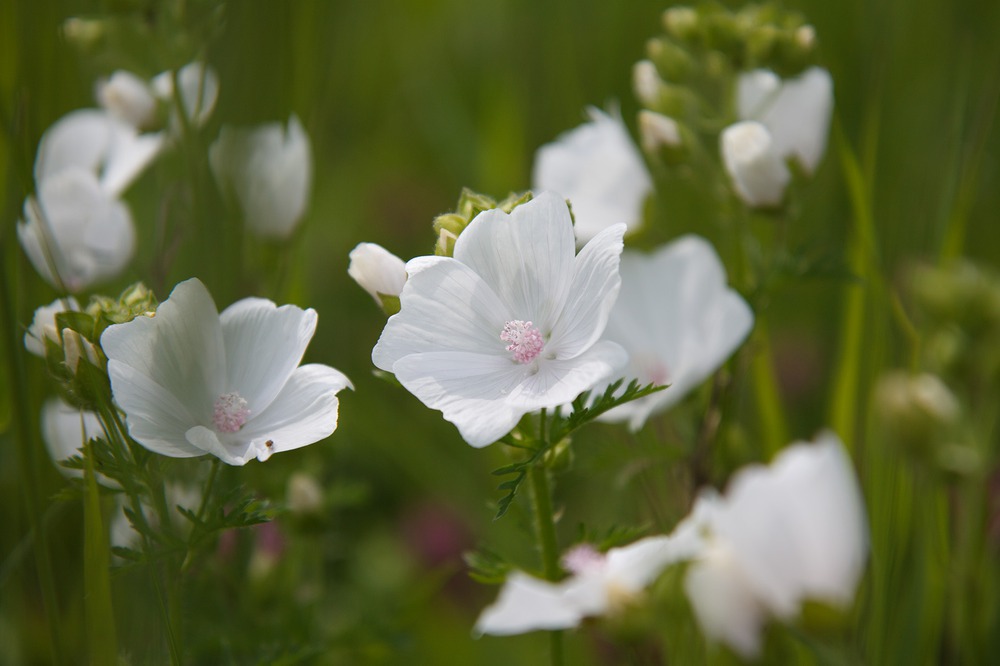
(915, 408)
(682, 23)
(304, 495)
(128, 98)
(43, 330)
(664, 137)
(673, 61)
(84, 33)
(379, 272)
(646, 83)
(76, 347)
(758, 174)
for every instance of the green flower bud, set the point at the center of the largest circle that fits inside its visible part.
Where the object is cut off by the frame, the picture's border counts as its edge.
(671, 60)
(917, 410)
(449, 226)
(664, 138)
(682, 23)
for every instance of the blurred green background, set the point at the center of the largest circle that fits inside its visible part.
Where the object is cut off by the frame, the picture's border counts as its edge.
(406, 102)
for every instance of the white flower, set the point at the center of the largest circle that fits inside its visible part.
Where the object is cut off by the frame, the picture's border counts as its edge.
(756, 168)
(658, 131)
(65, 430)
(43, 325)
(128, 98)
(598, 168)
(199, 91)
(646, 83)
(269, 171)
(123, 535)
(677, 320)
(601, 584)
(77, 229)
(192, 381)
(796, 111)
(784, 533)
(377, 270)
(511, 324)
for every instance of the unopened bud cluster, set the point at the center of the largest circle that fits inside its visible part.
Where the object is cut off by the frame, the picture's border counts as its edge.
(449, 226)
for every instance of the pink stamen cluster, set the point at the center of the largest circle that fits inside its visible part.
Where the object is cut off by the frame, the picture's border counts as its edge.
(525, 340)
(582, 559)
(231, 412)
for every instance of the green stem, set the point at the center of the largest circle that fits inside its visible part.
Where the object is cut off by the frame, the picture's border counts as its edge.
(27, 462)
(545, 531)
(774, 430)
(209, 484)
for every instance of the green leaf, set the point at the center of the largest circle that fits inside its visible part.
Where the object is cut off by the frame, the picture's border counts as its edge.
(98, 612)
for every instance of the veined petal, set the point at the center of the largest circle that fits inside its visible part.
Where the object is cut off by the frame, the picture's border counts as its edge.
(527, 604)
(638, 564)
(560, 381)
(469, 389)
(264, 344)
(377, 270)
(445, 306)
(525, 257)
(305, 411)
(129, 153)
(155, 417)
(181, 349)
(592, 294)
(236, 451)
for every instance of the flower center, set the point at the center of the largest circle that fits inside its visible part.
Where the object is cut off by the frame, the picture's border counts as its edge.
(231, 412)
(583, 559)
(525, 340)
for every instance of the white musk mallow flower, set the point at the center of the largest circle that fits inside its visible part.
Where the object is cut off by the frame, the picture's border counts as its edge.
(268, 170)
(599, 169)
(758, 172)
(192, 381)
(509, 325)
(599, 584)
(783, 533)
(677, 319)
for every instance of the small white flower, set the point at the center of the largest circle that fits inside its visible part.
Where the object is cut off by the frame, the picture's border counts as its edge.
(128, 98)
(658, 131)
(598, 168)
(65, 430)
(783, 533)
(199, 92)
(77, 228)
(123, 535)
(192, 381)
(796, 111)
(646, 83)
(756, 168)
(511, 324)
(600, 584)
(268, 169)
(678, 321)
(43, 325)
(377, 270)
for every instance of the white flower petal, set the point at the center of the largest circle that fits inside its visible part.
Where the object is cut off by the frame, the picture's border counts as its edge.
(469, 389)
(128, 98)
(79, 139)
(527, 604)
(180, 349)
(66, 429)
(592, 294)
(43, 325)
(230, 450)
(638, 564)
(531, 276)
(264, 344)
(199, 90)
(445, 306)
(598, 168)
(754, 163)
(560, 381)
(304, 412)
(377, 270)
(129, 153)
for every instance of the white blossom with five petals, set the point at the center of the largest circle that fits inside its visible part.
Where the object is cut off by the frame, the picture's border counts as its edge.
(511, 324)
(192, 381)
(678, 321)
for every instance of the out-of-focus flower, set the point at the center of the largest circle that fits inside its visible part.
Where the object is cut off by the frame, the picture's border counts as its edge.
(678, 321)
(65, 430)
(192, 381)
(77, 229)
(600, 584)
(43, 325)
(757, 170)
(123, 535)
(796, 111)
(128, 98)
(377, 271)
(268, 169)
(658, 131)
(598, 168)
(304, 495)
(784, 533)
(647, 83)
(199, 90)
(511, 324)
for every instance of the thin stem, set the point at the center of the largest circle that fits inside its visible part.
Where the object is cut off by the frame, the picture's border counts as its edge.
(209, 484)
(545, 530)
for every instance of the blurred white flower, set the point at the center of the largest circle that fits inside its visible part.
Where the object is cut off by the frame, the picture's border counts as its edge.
(65, 430)
(199, 92)
(43, 325)
(76, 228)
(599, 169)
(123, 535)
(678, 321)
(268, 169)
(128, 98)
(511, 324)
(783, 533)
(647, 83)
(192, 381)
(658, 131)
(796, 111)
(757, 170)
(600, 584)
(377, 270)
